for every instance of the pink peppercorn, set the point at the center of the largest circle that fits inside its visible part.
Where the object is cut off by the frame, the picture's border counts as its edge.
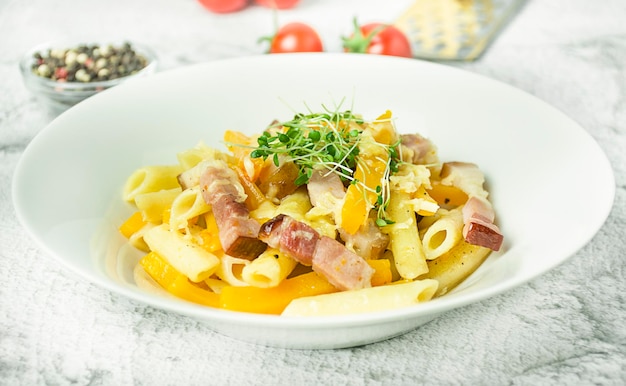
(60, 73)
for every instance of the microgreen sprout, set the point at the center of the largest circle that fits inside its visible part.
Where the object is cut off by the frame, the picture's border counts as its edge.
(317, 139)
(329, 140)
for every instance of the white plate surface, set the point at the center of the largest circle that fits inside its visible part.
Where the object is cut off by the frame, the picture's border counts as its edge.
(551, 185)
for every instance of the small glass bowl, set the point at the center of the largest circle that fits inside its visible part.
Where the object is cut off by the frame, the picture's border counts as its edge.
(61, 95)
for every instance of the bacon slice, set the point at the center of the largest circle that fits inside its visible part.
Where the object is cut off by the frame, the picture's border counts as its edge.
(238, 233)
(478, 214)
(340, 266)
(322, 183)
(368, 241)
(416, 148)
(291, 237)
(479, 229)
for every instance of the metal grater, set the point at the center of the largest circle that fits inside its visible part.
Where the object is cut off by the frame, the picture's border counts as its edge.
(454, 29)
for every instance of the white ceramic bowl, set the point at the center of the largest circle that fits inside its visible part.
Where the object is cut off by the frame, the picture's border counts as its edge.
(551, 185)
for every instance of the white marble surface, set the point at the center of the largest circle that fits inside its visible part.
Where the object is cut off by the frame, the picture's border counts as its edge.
(566, 327)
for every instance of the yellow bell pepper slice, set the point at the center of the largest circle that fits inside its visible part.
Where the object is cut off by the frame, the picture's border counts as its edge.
(254, 195)
(422, 193)
(175, 282)
(242, 153)
(273, 300)
(447, 195)
(134, 223)
(167, 214)
(382, 272)
(382, 129)
(210, 235)
(361, 197)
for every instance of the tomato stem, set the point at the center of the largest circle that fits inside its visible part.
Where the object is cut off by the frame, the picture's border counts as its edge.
(359, 42)
(270, 38)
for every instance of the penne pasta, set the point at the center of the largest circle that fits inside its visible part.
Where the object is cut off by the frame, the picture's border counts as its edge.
(443, 234)
(295, 205)
(188, 204)
(175, 282)
(215, 284)
(193, 156)
(151, 179)
(264, 212)
(454, 266)
(406, 246)
(230, 270)
(372, 299)
(136, 239)
(153, 204)
(269, 269)
(182, 253)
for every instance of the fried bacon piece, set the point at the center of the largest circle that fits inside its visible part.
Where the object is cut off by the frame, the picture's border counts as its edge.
(323, 183)
(479, 229)
(291, 237)
(417, 149)
(340, 266)
(478, 214)
(368, 241)
(238, 233)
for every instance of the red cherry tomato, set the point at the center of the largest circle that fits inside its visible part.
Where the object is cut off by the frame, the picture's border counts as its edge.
(224, 6)
(378, 38)
(295, 37)
(278, 4)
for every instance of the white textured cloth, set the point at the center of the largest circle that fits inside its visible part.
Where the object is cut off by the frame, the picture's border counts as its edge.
(567, 327)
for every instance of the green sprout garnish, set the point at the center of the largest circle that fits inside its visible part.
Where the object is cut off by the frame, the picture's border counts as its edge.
(320, 139)
(328, 140)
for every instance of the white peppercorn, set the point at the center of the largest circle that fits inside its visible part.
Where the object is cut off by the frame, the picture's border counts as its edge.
(70, 57)
(44, 70)
(82, 75)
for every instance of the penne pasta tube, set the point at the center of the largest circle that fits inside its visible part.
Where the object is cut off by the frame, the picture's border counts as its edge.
(184, 255)
(264, 212)
(136, 239)
(174, 282)
(268, 269)
(153, 204)
(230, 270)
(188, 204)
(454, 266)
(443, 234)
(215, 285)
(404, 240)
(371, 299)
(295, 205)
(151, 179)
(193, 156)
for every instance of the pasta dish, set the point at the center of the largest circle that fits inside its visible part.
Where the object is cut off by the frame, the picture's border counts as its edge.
(324, 214)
